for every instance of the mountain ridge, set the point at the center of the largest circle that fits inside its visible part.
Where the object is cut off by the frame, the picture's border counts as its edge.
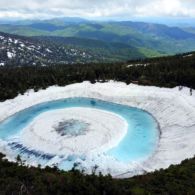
(158, 38)
(19, 50)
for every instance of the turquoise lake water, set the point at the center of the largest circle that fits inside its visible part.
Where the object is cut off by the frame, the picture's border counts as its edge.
(139, 142)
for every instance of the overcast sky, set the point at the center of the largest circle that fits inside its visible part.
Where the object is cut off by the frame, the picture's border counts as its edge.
(124, 9)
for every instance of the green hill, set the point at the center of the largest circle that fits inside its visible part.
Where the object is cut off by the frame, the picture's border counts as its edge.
(149, 39)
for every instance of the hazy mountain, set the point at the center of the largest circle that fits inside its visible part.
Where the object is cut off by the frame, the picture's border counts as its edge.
(180, 22)
(46, 26)
(190, 29)
(63, 20)
(150, 39)
(66, 20)
(158, 30)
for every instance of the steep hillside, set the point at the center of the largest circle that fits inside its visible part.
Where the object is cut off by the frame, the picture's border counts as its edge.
(113, 51)
(18, 50)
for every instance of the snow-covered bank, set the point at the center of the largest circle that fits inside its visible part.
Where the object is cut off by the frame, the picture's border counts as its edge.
(173, 109)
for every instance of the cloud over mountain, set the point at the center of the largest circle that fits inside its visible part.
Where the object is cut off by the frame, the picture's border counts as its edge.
(96, 8)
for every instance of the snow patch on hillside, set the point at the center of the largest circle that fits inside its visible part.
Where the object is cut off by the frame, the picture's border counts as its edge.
(10, 55)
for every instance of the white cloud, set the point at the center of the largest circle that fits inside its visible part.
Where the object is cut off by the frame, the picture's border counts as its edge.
(166, 8)
(96, 8)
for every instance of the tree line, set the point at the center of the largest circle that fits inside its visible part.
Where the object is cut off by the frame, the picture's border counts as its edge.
(16, 179)
(162, 72)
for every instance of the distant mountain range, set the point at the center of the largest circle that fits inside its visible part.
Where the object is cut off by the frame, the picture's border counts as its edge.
(106, 41)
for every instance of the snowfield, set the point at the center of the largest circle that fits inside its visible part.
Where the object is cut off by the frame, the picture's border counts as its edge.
(173, 109)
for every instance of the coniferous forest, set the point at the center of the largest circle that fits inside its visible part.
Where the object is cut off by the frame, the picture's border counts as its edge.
(162, 72)
(17, 179)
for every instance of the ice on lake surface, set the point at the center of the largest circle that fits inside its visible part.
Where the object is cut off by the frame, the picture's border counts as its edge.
(139, 142)
(71, 128)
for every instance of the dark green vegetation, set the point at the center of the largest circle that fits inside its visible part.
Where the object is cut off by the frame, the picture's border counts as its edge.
(164, 71)
(16, 180)
(148, 39)
(102, 50)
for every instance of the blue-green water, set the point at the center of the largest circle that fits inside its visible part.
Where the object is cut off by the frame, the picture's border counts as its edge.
(139, 142)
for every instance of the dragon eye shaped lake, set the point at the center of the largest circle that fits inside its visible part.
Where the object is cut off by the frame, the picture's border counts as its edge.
(139, 142)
